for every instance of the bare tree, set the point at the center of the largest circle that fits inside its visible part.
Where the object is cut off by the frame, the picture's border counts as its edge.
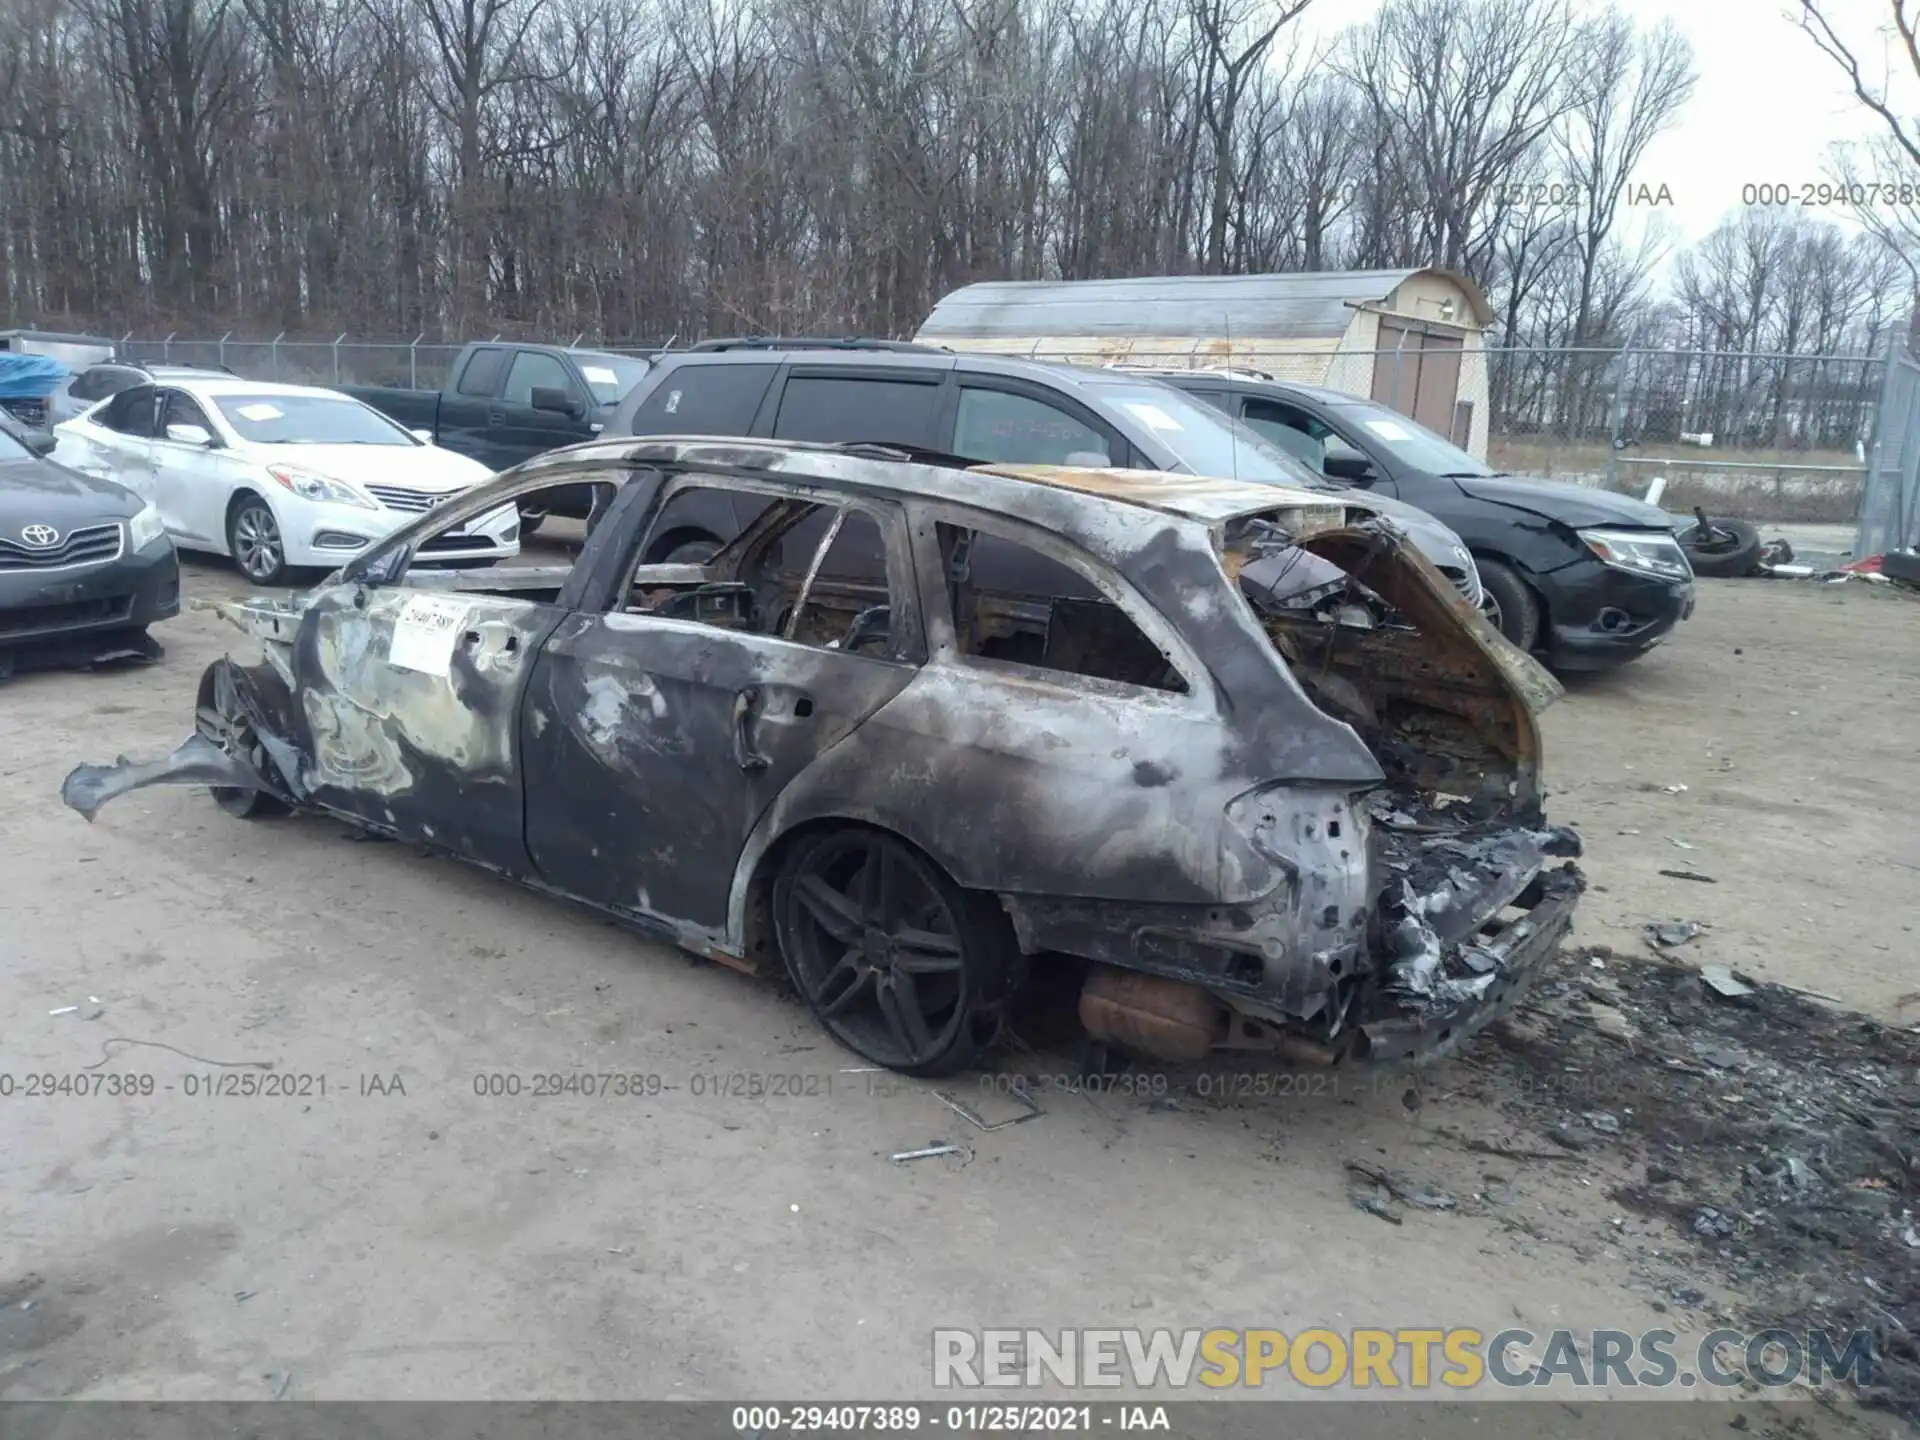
(1886, 172)
(1460, 92)
(1630, 87)
(1230, 57)
(651, 168)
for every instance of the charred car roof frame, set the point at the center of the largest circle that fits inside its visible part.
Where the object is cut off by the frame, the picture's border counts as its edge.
(1320, 839)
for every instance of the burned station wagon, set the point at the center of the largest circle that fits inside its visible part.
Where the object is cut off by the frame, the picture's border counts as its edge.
(1240, 756)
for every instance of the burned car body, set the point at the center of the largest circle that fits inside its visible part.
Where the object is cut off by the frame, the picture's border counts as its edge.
(1270, 816)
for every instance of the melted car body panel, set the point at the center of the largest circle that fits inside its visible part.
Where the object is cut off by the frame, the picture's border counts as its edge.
(1323, 812)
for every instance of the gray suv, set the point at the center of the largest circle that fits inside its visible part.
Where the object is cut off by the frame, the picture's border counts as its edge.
(982, 408)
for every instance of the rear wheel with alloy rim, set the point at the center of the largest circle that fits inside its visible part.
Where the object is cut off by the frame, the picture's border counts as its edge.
(900, 964)
(254, 540)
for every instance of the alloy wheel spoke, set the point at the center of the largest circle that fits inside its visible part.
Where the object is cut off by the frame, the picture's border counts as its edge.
(925, 952)
(899, 1007)
(880, 892)
(833, 912)
(841, 987)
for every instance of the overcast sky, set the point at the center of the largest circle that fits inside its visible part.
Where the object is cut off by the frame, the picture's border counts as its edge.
(1767, 107)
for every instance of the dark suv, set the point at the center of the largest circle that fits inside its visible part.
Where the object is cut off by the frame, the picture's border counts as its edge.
(1586, 577)
(978, 407)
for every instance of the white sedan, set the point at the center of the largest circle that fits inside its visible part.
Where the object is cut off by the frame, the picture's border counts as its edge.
(278, 476)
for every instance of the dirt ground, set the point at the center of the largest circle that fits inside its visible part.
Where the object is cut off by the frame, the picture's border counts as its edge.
(408, 1235)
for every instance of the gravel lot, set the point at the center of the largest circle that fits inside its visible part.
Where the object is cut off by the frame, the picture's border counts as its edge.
(406, 1235)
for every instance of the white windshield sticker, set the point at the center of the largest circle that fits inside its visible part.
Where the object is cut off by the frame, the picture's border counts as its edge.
(1153, 415)
(260, 410)
(673, 402)
(1389, 429)
(599, 375)
(424, 632)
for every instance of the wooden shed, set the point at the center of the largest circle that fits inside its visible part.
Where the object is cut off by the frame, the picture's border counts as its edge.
(1407, 338)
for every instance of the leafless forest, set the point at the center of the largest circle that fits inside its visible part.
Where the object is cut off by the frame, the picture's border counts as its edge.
(640, 169)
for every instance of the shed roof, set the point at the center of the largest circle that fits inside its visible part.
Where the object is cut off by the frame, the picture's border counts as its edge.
(1317, 304)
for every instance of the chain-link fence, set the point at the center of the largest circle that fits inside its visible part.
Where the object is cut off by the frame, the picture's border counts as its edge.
(1769, 436)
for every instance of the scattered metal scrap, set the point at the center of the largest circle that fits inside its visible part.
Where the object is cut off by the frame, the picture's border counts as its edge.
(1032, 1109)
(928, 1152)
(1775, 1135)
(1725, 983)
(1375, 1200)
(1424, 1197)
(1670, 934)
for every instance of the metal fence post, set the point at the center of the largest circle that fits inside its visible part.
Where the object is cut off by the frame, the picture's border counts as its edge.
(166, 347)
(223, 348)
(276, 353)
(126, 342)
(336, 355)
(1617, 419)
(413, 361)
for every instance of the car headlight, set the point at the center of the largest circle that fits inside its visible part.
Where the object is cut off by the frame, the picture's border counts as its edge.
(312, 485)
(1641, 552)
(145, 528)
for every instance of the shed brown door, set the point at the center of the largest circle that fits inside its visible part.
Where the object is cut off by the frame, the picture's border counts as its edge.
(1396, 368)
(1418, 373)
(1439, 382)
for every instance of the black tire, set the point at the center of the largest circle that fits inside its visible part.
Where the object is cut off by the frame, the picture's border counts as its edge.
(254, 541)
(690, 552)
(1509, 602)
(897, 962)
(1732, 549)
(1901, 565)
(221, 722)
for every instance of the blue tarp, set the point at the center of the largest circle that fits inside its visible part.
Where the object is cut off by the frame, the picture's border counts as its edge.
(29, 377)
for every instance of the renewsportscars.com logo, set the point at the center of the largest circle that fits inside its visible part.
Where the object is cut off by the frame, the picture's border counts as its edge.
(1403, 1358)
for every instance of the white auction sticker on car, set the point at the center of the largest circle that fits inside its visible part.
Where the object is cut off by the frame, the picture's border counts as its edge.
(599, 375)
(425, 631)
(1389, 429)
(261, 411)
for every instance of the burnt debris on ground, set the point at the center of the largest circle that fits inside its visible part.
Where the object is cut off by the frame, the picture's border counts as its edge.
(1778, 1136)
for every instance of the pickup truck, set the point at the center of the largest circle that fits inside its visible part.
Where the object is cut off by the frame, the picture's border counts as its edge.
(505, 402)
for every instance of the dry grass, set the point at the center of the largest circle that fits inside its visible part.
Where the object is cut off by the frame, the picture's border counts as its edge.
(1757, 490)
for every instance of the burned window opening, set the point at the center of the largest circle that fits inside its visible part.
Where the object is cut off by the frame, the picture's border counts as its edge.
(1016, 606)
(803, 571)
(416, 566)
